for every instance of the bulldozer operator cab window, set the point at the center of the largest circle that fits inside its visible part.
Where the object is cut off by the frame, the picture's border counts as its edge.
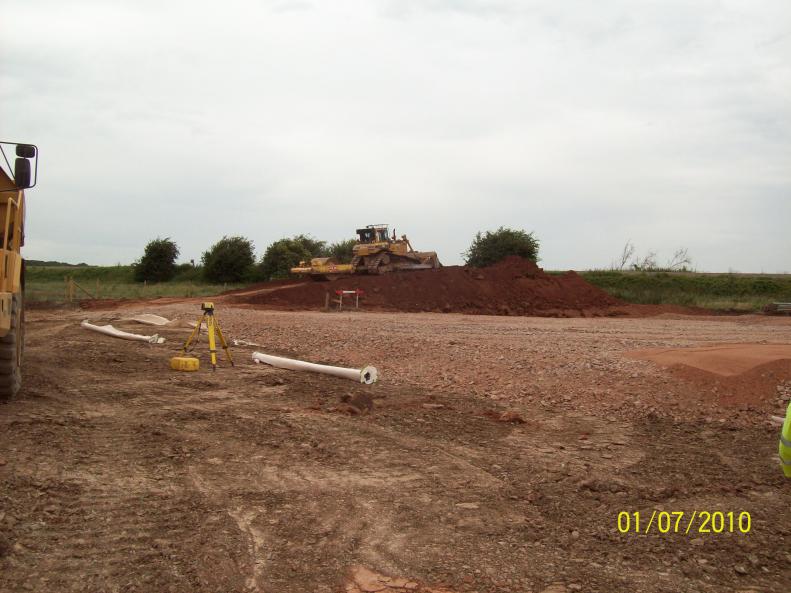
(366, 235)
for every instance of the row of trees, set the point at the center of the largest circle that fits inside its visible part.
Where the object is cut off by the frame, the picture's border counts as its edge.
(284, 254)
(232, 259)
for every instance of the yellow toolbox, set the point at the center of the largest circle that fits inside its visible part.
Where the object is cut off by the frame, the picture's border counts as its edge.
(184, 363)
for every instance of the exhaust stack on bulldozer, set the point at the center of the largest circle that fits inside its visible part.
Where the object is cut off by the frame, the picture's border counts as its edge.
(377, 252)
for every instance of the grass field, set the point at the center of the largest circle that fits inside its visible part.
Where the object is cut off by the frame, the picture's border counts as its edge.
(745, 292)
(48, 284)
(712, 291)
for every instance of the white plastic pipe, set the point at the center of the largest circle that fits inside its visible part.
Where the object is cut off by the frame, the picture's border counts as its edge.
(150, 319)
(117, 333)
(365, 375)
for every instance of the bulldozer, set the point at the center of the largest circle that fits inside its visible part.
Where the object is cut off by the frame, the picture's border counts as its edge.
(377, 252)
(13, 182)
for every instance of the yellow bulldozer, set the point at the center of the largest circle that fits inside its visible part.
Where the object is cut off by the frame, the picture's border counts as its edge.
(377, 252)
(13, 182)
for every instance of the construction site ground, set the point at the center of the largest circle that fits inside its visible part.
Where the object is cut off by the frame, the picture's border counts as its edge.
(496, 456)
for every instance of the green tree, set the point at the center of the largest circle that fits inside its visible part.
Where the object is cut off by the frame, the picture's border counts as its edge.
(490, 248)
(230, 259)
(341, 251)
(158, 263)
(313, 246)
(281, 256)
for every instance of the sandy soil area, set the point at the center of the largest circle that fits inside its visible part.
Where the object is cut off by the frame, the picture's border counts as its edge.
(496, 457)
(727, 360)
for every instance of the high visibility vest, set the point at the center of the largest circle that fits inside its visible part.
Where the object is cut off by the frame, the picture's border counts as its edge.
(785, 444)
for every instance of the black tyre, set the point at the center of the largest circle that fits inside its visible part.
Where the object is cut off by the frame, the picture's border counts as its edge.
(11, 347)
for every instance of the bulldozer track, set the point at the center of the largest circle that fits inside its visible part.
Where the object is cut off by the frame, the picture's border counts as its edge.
(377, 263)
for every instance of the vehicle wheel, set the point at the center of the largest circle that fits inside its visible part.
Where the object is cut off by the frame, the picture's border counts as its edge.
(11, 347)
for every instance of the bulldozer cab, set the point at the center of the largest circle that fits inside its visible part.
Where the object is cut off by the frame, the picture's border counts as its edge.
(374, 233)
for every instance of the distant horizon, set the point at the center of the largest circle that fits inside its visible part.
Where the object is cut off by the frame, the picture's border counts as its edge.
(690, 271)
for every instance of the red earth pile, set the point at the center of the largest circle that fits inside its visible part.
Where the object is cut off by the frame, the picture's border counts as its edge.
(514, 286)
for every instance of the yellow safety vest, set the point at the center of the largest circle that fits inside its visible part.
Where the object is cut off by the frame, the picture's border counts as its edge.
(785, 444)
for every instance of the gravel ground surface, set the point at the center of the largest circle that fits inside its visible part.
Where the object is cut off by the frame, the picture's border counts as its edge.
(495, 454)
(559, 364)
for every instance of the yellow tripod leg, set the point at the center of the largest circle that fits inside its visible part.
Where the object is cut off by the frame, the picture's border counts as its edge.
(212, 344)
(192, 335)
(224, 343)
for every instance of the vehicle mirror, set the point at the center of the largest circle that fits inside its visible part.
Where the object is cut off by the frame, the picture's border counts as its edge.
(26, 151)
(22, 173)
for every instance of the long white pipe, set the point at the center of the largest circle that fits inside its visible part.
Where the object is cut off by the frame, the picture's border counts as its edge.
(150, 319)
(117, 333)
(365, 375)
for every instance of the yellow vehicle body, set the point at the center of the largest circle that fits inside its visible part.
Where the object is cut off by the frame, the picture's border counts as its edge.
(377, 252)
(12, 209)
(12, 267)
(322, 266)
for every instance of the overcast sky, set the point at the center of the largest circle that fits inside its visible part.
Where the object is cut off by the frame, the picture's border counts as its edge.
(589, 123)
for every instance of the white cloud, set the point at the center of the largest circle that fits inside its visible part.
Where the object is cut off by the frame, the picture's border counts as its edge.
(664, 122)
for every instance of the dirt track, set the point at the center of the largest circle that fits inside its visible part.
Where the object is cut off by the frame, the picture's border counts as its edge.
(120, 475)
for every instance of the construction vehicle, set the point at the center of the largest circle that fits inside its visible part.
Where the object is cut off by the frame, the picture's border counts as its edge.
(13, 182)
(377, 252)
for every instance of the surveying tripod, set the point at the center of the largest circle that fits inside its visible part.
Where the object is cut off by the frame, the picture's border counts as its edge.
(211, 324)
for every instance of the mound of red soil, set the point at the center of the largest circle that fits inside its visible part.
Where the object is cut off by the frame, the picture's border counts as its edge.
(514, 286)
